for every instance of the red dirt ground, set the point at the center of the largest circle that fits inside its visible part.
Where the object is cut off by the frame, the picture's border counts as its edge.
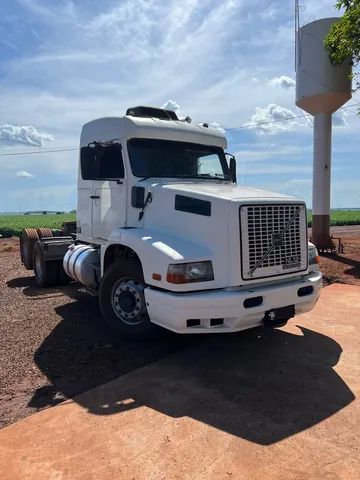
(53, 345)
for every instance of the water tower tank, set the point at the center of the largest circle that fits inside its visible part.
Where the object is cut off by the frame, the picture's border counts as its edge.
(321, 87)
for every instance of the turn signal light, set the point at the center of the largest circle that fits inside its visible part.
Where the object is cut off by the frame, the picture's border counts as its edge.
(313, 254)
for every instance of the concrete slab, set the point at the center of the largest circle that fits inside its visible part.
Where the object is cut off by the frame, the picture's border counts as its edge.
(268, 404)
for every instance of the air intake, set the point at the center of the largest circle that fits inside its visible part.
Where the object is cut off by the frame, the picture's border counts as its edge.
(152, 112)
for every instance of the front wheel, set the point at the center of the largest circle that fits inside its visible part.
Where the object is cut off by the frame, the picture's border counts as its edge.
(122, 300)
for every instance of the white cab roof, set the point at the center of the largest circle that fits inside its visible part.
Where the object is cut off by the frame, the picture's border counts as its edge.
(137, 127)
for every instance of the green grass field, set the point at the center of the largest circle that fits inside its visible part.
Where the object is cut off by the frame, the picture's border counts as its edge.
(341, 217)
(11, 225)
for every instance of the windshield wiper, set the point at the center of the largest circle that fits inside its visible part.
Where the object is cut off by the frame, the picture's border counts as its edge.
(199, 175)
(145, 178)
(212, 177)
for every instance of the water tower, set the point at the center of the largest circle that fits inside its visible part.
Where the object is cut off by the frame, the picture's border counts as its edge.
(321, 88)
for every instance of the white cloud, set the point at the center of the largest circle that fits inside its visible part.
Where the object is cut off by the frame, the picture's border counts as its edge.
(283, 81)
(50, 197)
(311, 10)
(217, 127)
(270, 152)
(23, 173)
(171, 105)
(25, 134)
(214, 125)
(296, 187)
(271, 168)
(270, 13)
(272, 119)
(339, 119)
(175, 107)
(162, 60)
(9, 44)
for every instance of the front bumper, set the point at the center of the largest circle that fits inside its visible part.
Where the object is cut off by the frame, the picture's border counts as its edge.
(223, 310)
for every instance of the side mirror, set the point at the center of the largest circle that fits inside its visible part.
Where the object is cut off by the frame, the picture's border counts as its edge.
(232, 167)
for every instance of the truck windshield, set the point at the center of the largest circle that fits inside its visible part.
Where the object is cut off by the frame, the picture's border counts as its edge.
(164, 158)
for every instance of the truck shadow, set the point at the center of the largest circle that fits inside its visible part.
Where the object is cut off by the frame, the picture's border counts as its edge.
(31, 289)
(261, 385)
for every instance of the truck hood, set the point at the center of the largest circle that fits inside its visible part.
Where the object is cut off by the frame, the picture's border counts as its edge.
(223, 190)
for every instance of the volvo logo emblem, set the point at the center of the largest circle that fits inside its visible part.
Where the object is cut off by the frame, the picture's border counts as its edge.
(277, 239)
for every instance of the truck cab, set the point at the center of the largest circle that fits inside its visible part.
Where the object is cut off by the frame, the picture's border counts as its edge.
(165, 236)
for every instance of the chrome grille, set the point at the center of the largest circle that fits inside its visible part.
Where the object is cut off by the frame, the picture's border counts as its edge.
(274, 239)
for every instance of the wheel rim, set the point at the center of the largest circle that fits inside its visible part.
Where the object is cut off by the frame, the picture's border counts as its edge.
(128, 301)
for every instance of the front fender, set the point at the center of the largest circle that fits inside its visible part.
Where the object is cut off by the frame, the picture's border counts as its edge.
(156, 250)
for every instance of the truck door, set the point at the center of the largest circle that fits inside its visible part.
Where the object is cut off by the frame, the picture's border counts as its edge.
(108, 208)
(84, 192)
(108, 191)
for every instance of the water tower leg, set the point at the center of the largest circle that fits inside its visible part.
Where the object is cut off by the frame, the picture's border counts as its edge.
(321, 181)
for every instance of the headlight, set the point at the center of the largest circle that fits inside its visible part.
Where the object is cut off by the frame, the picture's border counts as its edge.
(313, 254)
(190, 272)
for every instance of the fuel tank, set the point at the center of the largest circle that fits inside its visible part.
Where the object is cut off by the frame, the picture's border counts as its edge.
(82, 264)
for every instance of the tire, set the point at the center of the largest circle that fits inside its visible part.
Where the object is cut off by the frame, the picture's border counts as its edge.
(122, 301)
(44, 232)
(46, 273)
(28, 238)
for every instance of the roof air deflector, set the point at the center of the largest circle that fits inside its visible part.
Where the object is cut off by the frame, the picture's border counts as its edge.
(152, 112)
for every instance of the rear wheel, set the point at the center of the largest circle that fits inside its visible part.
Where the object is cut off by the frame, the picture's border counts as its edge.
(46, 273)
(122, 300)
(28, 238)
(44, 232)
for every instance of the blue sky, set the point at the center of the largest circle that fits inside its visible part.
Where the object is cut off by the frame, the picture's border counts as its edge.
(231, 62)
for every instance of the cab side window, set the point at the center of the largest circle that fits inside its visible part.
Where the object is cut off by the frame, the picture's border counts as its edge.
(101, 162)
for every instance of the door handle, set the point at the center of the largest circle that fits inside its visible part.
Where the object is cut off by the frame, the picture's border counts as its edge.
(94, 196)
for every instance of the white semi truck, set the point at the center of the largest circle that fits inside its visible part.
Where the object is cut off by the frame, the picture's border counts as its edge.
(165, 237)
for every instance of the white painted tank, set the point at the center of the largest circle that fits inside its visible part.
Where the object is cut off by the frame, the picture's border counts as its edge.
(80, 263)
(321, 87)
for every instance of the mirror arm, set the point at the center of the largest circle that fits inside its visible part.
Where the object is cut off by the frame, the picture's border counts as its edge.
(234, 171)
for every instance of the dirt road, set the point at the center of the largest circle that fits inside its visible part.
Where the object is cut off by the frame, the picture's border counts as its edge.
(277, 404)
(53, 344)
